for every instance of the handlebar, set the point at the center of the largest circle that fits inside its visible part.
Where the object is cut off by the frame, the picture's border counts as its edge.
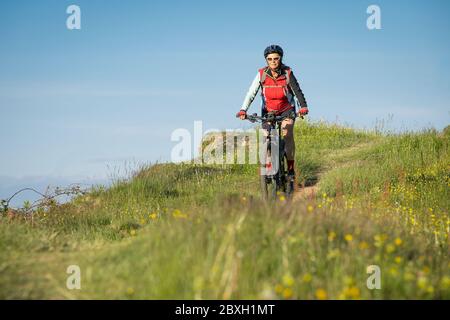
(270, 117)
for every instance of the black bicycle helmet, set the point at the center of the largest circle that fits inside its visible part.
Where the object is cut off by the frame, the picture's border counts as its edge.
(273, 49)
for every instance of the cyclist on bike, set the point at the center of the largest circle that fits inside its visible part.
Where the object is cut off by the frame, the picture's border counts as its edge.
(280, 90)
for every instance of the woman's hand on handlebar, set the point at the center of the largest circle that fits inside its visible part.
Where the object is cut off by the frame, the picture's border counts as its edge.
(242, 114)
(303, 111)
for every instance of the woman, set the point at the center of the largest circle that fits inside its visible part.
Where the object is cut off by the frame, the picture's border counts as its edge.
(280, 89)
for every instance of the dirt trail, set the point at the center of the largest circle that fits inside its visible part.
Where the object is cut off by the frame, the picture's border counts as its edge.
(305, 193)
(337, 159)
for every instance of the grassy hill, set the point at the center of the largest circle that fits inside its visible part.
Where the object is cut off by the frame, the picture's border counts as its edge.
(202, 231)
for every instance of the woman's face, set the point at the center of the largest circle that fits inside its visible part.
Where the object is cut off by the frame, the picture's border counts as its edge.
(273, 61)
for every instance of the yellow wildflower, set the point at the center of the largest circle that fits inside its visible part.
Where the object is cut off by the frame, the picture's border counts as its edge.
(307, 277)
(445, 282)
(352, 292)
(334, 253)
(393, 271)
(278, 288)
(409, 276)
(380, 239)
(349, 281)
(321, 294)
(348, 238)
(288, 281)
(422, 282)
(331, 236)
(288, 293)
(390, 248)
(178, 214)
(363, 245)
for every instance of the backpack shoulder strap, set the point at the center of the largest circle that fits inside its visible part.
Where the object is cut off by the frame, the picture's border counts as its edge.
(288, 75)
(263, 75)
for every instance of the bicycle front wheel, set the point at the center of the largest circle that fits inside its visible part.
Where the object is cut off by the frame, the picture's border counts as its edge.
(268, 188)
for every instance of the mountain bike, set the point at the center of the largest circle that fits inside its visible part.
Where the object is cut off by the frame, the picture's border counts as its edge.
(276, 179)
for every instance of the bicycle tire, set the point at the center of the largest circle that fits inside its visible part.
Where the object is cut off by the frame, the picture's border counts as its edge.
(264, 187)
(289, 183)
(268, 188)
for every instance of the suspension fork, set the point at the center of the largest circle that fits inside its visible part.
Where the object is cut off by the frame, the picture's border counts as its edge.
(281, 150)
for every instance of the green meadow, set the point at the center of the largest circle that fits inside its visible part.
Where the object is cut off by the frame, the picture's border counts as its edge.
(192, 231)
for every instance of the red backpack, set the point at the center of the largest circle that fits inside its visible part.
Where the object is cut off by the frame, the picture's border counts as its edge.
(275, 91)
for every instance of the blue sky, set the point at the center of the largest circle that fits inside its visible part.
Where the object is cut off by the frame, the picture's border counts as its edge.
(81, 105)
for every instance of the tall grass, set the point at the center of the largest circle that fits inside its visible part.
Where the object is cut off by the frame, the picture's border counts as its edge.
(202, 231)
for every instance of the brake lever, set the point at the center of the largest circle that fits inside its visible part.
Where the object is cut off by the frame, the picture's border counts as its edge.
(251, 118)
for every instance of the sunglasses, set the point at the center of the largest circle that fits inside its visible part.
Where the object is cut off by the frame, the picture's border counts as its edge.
(273, 59)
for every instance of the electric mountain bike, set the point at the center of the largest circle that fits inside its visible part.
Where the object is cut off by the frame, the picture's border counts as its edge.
(273, 165)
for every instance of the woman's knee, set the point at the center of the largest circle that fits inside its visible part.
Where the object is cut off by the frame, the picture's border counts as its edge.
(287, 128)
